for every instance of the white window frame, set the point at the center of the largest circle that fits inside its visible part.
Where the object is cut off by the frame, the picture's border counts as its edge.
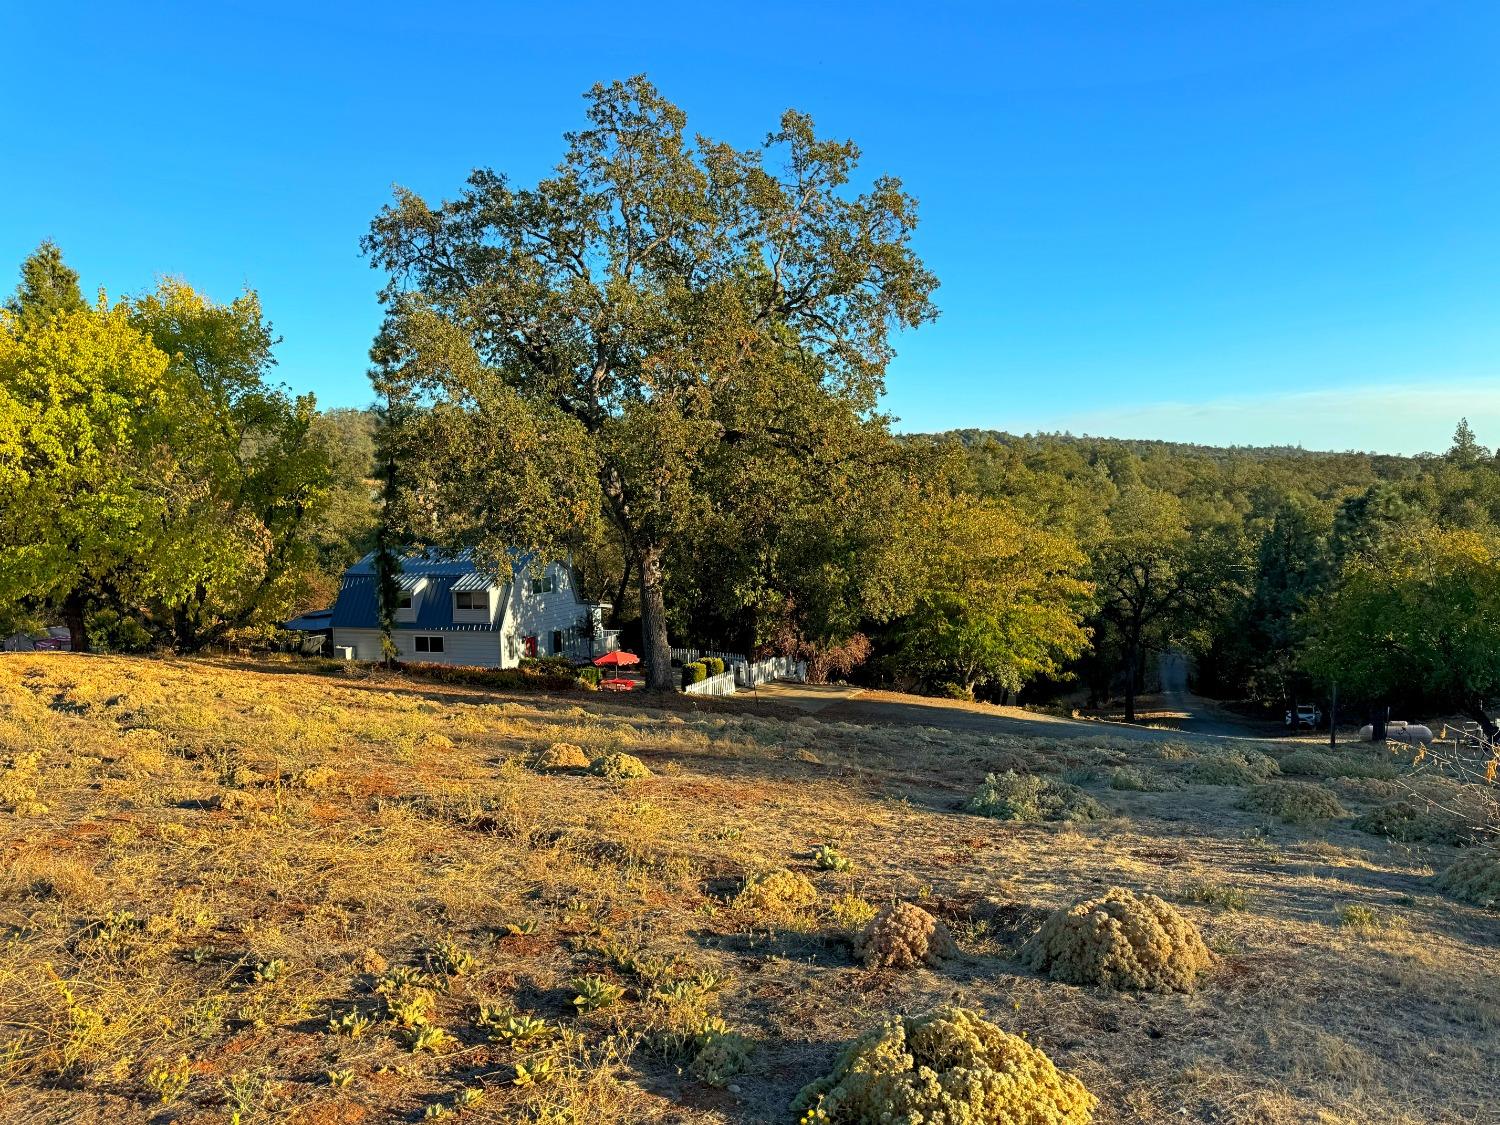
(470, 595)
(428, 639)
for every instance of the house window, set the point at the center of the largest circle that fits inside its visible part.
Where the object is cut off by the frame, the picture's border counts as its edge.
(429, 644)
(403, 602)
(557, 642)
(544, 585)
(472, 599)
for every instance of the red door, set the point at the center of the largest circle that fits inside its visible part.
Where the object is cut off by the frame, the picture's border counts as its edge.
(530, 645)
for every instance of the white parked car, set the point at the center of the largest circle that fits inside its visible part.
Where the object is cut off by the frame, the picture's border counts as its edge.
(1307, 715)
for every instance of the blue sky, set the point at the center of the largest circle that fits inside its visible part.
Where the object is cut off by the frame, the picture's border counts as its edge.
(1197, 220)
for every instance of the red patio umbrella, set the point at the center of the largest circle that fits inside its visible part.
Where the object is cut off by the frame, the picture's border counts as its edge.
(616, 659)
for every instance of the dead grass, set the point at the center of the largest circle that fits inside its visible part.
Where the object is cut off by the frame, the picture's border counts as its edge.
(220, 863)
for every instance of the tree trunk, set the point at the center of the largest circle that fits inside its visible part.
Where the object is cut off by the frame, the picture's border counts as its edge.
(618, 606)
(75, 617)
(657, 654)
(1377, 723)
(1132, 662)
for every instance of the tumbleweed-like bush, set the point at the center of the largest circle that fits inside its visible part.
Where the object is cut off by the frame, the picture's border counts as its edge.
(904, 936)
(1474, 878)
(1295, 802)
(1122, 940)
(617, 766)
(1411, 821)
(776, 891)
(1313, 763)
(1230, 766)
(1030, 797)
(563, 756)
(949, 1067)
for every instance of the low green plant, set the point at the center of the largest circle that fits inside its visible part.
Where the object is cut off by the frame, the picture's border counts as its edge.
(169, 1080)
(504, 1026)
(595, 993)
(1031, 797)
(694, 672)
(449, 959)
(827, 858)
(1358, 916)
(352, 1024)
(1220, 895)
(339, 1079)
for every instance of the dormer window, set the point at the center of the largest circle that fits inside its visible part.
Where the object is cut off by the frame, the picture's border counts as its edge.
(472, 599)
(403, 602)
(544, 585)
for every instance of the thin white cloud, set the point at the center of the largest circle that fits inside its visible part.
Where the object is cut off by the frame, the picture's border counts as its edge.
(1389, 418)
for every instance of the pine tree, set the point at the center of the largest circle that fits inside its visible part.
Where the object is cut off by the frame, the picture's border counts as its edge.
(47, 287)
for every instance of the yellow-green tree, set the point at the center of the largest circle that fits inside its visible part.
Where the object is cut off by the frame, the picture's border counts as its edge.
(85, 486)
(147, 468)
(999, 600)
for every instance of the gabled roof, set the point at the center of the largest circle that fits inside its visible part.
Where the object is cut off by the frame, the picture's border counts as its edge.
(429, 562)
(358, 607)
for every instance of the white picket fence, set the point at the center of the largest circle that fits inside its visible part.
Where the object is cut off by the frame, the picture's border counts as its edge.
(750, 674)
(740, 671)
(722, 684)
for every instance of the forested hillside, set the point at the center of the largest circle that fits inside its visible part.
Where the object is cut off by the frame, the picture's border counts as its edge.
(1276, 567)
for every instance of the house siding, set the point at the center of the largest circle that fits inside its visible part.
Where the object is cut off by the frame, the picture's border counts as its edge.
(540, 615)
(478, 649)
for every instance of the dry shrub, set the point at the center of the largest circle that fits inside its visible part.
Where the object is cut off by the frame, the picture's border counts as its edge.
(41, 874)
(617, 766)
(565, 756)
(1121, 940)
(949, 1067)
(1295, 802)
(1233, 766)
(1413, 821)
(1312, 763)
(1474, 878)
(1029, 797)
(1141, 780)
(904, 936)
(777, 891)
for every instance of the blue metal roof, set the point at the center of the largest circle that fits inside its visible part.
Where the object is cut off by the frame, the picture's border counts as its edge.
(358, 606)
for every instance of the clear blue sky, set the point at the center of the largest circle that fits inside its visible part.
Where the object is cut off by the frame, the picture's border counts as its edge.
(1229, 221)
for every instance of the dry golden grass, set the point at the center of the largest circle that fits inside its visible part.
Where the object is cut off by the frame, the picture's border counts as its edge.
(246, 889)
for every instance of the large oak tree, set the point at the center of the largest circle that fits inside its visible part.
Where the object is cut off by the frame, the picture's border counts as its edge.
(606, 340)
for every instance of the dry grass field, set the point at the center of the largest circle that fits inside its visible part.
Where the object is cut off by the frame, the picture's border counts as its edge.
(253, 892)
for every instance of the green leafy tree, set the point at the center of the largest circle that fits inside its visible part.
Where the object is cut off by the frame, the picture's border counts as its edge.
(83, 400)
(1143, 576)
(1422, 617)
(1000, 600)
(602, 342)
(250, 476)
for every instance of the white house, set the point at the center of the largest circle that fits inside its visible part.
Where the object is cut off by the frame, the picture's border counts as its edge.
(452, 612)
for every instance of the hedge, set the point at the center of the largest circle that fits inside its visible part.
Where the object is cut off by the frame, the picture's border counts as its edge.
(531, 674)
(715, 665)
(694, 673)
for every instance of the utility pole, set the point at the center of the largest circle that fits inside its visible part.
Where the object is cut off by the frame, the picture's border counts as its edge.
(1333, 716)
